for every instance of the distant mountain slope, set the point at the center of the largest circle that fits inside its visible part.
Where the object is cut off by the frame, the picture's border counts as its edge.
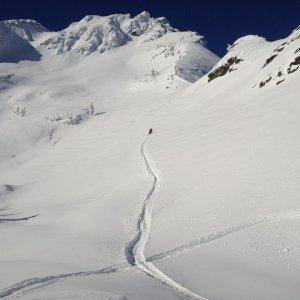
(26, 28)
(96, 33)
(118, 54)
(14, 48)
(99, 34)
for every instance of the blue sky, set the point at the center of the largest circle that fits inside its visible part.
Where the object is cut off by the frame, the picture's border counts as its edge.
(221, 22)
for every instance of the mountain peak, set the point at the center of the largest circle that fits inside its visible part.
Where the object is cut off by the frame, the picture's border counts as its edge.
(26, 28)
(100, 33)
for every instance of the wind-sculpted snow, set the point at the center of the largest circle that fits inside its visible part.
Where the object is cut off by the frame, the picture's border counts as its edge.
(195, 60)
(95, 33)
(88, 37)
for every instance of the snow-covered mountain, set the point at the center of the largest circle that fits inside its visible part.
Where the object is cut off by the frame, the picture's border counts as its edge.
(14, 48)
(95, 33)
(271, 63)
(92, 206)
(26, 28)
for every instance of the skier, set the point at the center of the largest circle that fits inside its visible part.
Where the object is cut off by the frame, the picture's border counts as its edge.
(150, 131)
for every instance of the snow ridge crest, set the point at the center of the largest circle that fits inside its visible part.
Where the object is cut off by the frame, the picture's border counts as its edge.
(96, 33)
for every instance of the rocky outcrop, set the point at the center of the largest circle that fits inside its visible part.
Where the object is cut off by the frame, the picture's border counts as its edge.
(225, 68)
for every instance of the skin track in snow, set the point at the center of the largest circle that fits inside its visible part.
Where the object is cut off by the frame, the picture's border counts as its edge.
(276, 217)
(135, 251)
(16, 219)
(33, 284)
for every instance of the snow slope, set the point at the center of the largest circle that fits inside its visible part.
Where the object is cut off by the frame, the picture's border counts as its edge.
(14, 48)
(26, 28)
(204, 208)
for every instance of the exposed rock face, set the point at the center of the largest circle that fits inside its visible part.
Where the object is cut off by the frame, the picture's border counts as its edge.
(288, 62)
(270, 59)
(225, 68)
(266, 63)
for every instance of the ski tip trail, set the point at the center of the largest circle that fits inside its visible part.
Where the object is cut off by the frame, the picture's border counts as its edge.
(135, 250)
(34, 283)
(4, 220)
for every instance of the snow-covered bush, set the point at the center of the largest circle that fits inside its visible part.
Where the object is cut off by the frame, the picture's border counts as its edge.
(149, 77)
(90, 110)
(56, 117)
(20, 111)
(68, 119)
(71, 119)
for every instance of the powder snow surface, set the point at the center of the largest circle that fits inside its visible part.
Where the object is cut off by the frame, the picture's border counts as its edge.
(207, 205)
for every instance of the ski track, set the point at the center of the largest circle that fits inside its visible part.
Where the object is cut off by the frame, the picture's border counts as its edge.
(281, 216)
(16, 219)
(33, 284)
(134, 250)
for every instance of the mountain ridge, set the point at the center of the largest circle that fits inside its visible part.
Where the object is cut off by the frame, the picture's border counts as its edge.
(136, 164)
